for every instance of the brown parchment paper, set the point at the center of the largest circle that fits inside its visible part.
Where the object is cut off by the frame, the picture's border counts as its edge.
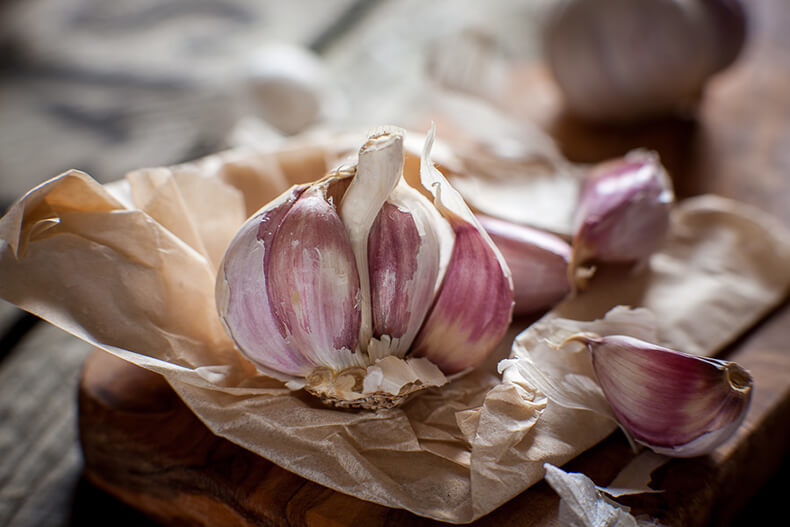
(130, 267)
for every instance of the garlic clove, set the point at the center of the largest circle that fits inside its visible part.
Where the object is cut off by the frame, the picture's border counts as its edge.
(474, 305)
(378, 171)
(674, 403)
(405, 261)
(290, 88)
(538, 261)
(313, 284)
(242, 298)
(473, 308)
(623, 210)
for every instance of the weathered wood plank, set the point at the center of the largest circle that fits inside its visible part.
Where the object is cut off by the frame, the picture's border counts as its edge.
(40, 461)
(9, 314)
(111, 87)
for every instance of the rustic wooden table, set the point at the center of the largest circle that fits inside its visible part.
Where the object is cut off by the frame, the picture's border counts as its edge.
(108, 88)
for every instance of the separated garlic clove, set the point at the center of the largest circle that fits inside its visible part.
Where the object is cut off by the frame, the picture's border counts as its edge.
(538, 261)
(623, 211)
(674, 403)
(342, 287)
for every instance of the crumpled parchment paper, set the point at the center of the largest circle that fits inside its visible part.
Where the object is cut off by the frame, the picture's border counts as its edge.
(130, 268)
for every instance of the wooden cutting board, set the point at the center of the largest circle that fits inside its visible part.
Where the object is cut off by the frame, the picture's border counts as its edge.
(143, 445)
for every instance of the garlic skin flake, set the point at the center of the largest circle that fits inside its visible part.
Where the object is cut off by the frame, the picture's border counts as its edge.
(623, 211)
(363, 288)
(674, 403)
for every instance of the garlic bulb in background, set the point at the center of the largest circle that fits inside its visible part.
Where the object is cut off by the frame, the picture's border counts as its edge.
(621, 60)
(623, 211)
(365, 287)
(537, 260)
(674, 403)
(289, 88)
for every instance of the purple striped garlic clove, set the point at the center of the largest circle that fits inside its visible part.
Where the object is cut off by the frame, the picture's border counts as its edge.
(538, 261)
(674, 403)
(405, 263)
(312, 281)
(623, 211)
(283, 262)
(363, 288)
(474, 306)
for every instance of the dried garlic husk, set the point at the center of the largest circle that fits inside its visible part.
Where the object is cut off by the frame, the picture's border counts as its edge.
(538, 261)
(623, 212)
(363, 287)
(674, 403)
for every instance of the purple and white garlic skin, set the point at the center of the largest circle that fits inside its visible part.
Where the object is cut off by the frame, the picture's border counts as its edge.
(674, 403)
(363, 287)
(623, 211)
(538, 262)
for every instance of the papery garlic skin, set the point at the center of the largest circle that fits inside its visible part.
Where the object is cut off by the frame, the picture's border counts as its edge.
(623, 210)
(538, 261)
(674, 403)
(360, 288)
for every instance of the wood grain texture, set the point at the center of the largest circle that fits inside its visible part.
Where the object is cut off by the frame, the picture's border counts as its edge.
(40, 461)
(107, 88)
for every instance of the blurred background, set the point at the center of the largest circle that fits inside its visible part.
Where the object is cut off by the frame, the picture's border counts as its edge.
(108, 87)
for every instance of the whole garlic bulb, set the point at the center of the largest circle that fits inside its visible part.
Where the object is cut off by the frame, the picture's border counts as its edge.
(364, 287)
(289, 87)
(621, 60)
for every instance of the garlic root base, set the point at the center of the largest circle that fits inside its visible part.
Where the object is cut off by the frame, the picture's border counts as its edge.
(387, 383)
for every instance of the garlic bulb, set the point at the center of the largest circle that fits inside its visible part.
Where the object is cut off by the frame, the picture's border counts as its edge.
(620, 60)
(290, 89)
(363, 287)
(674, 403)
(623, 211)
(538, 261)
